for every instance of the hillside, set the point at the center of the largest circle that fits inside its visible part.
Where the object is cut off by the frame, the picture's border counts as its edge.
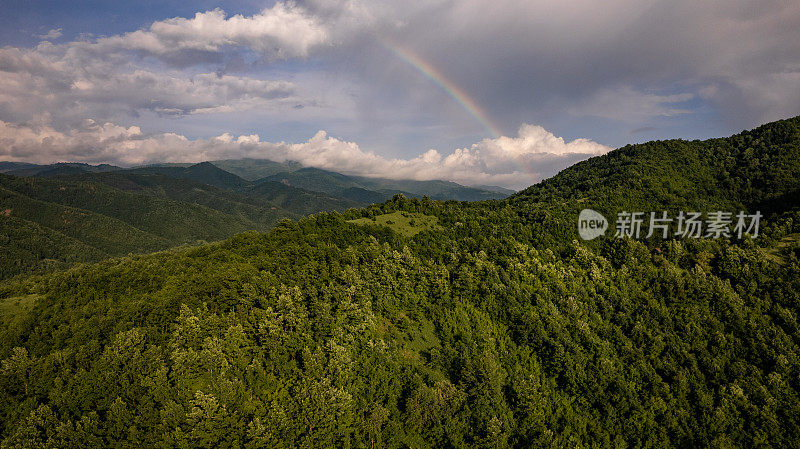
(314, 179)
(420, 323)
(204, 172)
(259, 202)
(750, 169)
(118, 211)
(62, 168)
(254, 169)
(30, 248)
(299, 201)
(437, 190)
(111, 221)
(378, 190)
(6, 166)
(257, 210)
(241, 175)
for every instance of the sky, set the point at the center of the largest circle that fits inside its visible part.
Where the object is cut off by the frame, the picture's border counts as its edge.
(482, 93)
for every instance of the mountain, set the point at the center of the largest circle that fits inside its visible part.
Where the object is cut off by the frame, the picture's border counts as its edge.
(497, 189)
(249, 208)
(339, 191)
(364, 196)
(30, 248)
(252, 200)
(58, 169)
(204, 172)
(6, 166)
(375, 190)
(300, 201)
(421, 323)
(254, 169)
(115, 211)
(438, 190)
(314, 179)
(755, 169)
(114, 221)
(241, 175)
(133, 211)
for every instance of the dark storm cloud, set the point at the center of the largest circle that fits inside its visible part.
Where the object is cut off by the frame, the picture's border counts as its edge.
(526, 61)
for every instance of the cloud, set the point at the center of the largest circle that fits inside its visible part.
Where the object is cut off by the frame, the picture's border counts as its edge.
(624, 61)
(595, 69)
(52, 34)
(50, 79)
(628, 105)
(758, 97)
(174, 67)
(283, 31)
(508, 161)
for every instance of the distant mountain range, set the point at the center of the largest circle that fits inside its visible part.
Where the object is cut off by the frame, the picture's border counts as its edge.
(240, 174)
(61, 168)
(54, 215)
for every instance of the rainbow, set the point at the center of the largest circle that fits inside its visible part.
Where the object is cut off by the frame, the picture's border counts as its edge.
(451, 88)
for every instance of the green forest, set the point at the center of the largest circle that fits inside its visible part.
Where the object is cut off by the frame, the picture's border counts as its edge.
(413, 322)
(53, 216)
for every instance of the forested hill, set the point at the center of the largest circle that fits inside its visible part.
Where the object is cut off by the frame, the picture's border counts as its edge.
(49, 223)
(419, 323)
(56, 215)
(757, 168)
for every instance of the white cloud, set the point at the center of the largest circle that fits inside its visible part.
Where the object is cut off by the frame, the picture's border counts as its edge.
(48, 78)
(149, 70)
(284, 31)
(52, 34)
(513, 162)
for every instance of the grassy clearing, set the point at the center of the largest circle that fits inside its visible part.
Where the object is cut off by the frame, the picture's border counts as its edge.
(407, 223)
(776, 253)
(14, 310)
